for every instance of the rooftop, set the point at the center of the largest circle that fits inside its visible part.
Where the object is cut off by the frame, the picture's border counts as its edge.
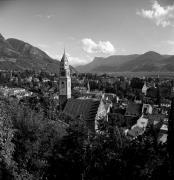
(133, 109)
(87, 108)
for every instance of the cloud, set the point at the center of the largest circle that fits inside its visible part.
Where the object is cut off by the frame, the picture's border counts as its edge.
(76, 61)
(162, 16)
(91, 46)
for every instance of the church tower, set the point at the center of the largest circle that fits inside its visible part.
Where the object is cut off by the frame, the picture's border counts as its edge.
(64, 81)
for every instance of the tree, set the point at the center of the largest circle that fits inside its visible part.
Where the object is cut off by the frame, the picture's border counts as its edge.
(136, 83)
(66, 161)
(34, 138)
(7, 164)
(117, 119)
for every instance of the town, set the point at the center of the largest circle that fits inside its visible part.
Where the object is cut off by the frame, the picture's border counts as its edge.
(86, 89)
(56, 118)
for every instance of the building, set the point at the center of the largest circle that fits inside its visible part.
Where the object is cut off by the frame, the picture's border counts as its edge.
(90, 107)
(90, 110)
(140, 113)
(133, 110)
(147, 109)
(109, 96)
(64, 81)
(145, 88)
(15, 92)
(134, 132)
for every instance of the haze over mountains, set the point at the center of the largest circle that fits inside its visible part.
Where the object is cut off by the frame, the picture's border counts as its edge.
(148, 62)
(19, 55)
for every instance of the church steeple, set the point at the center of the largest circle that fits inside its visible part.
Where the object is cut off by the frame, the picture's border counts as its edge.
(64, 66)
(64, 80)
(64, 57)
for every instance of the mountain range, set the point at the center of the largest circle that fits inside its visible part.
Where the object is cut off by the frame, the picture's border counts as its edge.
(19, 55)
(147, 62)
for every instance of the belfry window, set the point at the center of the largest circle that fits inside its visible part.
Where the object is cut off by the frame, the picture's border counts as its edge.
(63, 84)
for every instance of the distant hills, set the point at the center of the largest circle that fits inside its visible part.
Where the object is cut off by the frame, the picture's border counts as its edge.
(19, 55)
(148, 62)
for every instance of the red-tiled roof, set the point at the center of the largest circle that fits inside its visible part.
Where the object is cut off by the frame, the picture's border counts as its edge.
(87, 108)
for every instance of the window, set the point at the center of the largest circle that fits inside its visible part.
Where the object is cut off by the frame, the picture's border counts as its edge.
(63, 84)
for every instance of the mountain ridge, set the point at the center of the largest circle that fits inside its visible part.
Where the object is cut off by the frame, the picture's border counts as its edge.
(147, 62)
(101, 62)
(18, 55)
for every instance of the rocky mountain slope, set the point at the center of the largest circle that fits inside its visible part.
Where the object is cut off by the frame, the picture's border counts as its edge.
(19, 55)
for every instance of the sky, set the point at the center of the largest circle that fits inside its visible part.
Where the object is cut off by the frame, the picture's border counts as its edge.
(90, 28)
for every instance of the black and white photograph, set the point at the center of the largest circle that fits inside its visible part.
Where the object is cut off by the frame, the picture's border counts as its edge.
(86, 89)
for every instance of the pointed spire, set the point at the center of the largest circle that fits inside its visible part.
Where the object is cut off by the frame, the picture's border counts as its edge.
(64, 57)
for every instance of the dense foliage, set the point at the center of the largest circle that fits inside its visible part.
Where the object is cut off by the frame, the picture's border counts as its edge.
(32, 147)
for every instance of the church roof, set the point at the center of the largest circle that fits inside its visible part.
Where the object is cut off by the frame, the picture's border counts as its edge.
(87, 108)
